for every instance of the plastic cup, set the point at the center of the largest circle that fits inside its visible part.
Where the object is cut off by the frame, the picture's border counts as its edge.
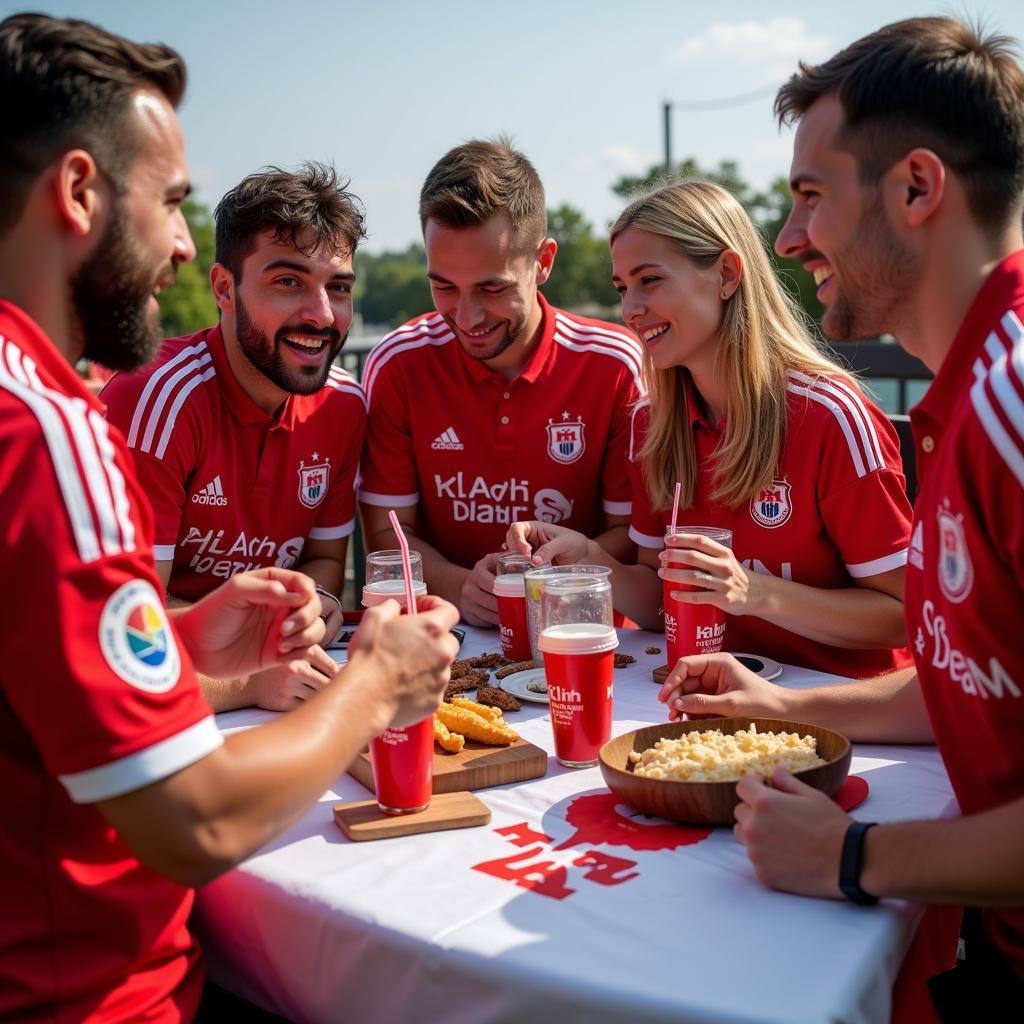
(510, 590)
(386, 564)
(692, 628)
(535, 580)
(579, 662)
(393, 590)
(403, 767)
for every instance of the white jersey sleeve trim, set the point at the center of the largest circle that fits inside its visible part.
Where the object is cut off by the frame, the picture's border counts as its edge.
(146, 766)
(645, 540)
(390, 500)
(644, 403)
(617, 508)
(864, 569)
(150, 405)
(333, 532)
(163, 552)
(1005, 377)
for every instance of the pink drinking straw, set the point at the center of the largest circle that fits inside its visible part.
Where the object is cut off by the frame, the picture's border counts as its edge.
(675, 507)
(410, 592)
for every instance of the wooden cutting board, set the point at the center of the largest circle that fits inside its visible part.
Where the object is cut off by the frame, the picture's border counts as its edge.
(364, 820)
(476, 766)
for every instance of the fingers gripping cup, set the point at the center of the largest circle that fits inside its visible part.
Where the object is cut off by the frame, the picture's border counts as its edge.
(510, 590)
(692, 628)
(402, 759)
(579, 641)
(384, 580)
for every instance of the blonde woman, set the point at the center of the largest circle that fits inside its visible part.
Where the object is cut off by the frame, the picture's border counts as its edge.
(767, 436)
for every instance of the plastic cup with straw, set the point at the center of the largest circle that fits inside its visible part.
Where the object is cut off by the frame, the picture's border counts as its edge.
(403, 759)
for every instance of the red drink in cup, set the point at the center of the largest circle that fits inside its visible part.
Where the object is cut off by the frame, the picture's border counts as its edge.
(579, 660)
(692, 628)
(403, 767)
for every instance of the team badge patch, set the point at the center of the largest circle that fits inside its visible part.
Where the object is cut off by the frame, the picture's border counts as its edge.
(313, 481)
(773, 506)
(956, 573)
(566, 441)
(136, 638)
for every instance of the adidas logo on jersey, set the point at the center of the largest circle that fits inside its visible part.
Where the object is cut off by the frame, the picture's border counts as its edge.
(211, 494)
(448, 442)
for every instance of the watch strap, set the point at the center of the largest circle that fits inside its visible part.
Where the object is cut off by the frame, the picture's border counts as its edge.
(851, 862)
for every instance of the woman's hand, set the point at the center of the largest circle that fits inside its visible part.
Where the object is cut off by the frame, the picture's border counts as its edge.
(698, 561)
(545, 542)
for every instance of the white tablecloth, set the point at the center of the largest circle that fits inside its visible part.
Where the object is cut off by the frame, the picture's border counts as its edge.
(565, 908)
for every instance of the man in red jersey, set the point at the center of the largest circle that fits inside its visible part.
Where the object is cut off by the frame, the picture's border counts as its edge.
(117, 792)
(907, 180)
(497, 407)
(246, 438)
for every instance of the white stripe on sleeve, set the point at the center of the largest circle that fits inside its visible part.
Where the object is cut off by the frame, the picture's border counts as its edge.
(862, 570)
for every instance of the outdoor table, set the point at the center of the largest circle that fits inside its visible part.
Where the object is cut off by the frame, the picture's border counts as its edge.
(566, 907)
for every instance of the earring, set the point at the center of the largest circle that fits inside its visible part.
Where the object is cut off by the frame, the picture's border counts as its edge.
(725, 295)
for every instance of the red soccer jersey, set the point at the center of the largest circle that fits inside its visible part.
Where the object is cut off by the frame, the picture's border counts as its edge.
(233, 488)
(476, 452)
(836, 511)
(96, 699)
(965, 581)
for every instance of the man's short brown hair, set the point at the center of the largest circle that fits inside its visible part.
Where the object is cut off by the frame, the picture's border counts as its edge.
(473, 182)
(934, 83)
(309, 205)
(66, 84)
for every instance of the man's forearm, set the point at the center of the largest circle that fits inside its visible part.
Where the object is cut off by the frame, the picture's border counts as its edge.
(971, 861)
(324, 572)
(886, 709)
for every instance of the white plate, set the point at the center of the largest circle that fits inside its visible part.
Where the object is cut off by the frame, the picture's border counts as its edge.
(519, 682)
(759, 665)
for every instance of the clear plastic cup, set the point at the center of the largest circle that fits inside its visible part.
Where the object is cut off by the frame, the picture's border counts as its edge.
(535, 579)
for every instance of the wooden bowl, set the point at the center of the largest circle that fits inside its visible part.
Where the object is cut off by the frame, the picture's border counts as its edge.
(710, 803)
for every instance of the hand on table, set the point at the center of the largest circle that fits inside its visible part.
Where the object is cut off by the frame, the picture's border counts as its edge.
(411, 656)
(696, 560)
(284, 687)
(545, 542)
(793, 834)
(333, 617)
(477, 602)
(253, 621)
(717, 684)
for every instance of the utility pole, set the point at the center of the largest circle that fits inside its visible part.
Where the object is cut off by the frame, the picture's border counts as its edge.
(667, 109)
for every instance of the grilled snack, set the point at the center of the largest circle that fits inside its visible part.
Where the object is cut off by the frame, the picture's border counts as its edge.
(450, 741)
(516, 666)
(652, 650)
(465, 682)
(498, 698)
(622, 660)
(492, 659)
(475, 727)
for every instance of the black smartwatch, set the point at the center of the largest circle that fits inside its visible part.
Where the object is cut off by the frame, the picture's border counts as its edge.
(851, 861)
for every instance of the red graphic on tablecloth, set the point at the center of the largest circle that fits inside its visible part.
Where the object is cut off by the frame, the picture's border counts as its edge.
(602, 818)
(598, 819)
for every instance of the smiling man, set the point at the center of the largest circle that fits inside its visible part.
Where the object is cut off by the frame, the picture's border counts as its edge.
(497, 407)
(245, 436)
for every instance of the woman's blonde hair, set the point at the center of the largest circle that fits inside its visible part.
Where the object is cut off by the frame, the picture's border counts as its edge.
(763, 336)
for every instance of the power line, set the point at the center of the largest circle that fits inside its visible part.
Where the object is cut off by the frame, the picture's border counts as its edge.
(693, 106)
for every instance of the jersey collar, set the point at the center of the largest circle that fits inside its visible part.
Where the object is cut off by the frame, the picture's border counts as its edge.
(242, 407)
(695, 407)
(16, 324)
(534, 365)
(1003, 288)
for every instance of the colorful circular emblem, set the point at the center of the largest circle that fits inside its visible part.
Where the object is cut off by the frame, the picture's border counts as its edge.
(773, 506)
(956, 573)
(136, 638)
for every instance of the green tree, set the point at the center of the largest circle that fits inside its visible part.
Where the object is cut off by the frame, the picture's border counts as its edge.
(768, 210)
(393, 286)
(188, 305)
(583, 269)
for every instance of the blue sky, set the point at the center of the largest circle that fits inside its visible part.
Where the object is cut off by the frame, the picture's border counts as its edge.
(382, 89)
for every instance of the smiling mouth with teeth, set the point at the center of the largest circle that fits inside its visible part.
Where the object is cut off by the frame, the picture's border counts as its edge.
(821, 274)
(305, 342)
(654, 332)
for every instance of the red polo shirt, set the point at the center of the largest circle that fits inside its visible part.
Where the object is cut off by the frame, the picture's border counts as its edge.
(96, 699)
(836, 511)
(476, 452)
(965, 581)
(232, 487)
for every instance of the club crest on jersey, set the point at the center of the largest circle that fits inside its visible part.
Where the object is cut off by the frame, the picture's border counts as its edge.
(956, 573)
(313, 481)
(136, 638)
(772, 507)
(566, 442)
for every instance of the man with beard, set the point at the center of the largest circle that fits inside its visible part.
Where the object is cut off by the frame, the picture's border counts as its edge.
(497, 407)
(908, 188)
(246, 438)
(117, 791)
